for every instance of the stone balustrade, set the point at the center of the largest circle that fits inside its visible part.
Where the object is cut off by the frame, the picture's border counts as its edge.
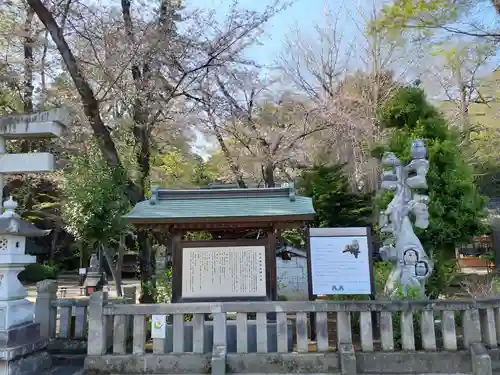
(442, 336)
(65, 320)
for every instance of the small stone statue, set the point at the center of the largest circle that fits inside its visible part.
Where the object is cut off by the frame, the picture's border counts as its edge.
(94, 263)
(413, 267)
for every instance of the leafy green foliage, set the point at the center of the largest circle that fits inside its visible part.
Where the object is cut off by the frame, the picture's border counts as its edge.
(334, 203)
(381, 270)
(96, 200)
(36, 272)
(163, 288)
(456, 208)
(421, 17)
(180, 169)
(294, 237)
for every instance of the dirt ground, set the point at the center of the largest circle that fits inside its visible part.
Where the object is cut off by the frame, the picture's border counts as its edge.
(70, 282)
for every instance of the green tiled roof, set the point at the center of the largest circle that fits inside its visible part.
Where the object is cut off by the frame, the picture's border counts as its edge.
(222, 203)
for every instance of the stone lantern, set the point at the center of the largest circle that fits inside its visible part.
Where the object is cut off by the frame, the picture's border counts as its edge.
(94, 280)
(20, 339)
(17, 310)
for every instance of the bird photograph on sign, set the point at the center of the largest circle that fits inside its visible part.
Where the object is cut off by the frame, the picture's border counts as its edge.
(352, 249)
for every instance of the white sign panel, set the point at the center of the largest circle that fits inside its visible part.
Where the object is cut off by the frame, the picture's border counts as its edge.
(340, 265)
(212, 272)
(158, 326)
(82, 271)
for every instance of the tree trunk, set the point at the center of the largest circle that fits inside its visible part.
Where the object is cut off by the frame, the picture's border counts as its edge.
(141, 75)
(496, 4)
(28, 61)
(28, 87)
(147, 268)
(53, 243)
(235, 168)
(91, 109)
(109, 260)
(87, 96)
(119, 261)
(268, 175)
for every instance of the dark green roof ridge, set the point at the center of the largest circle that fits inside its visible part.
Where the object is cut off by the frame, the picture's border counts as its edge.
(222, 203)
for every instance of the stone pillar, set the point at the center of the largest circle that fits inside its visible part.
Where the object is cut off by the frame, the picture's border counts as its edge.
(45, 313)
(130, 297)
(97, 339)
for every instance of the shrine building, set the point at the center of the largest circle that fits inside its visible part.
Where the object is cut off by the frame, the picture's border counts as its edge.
(239, 262)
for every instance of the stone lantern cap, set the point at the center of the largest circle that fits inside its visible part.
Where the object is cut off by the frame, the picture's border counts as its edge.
(12, 224)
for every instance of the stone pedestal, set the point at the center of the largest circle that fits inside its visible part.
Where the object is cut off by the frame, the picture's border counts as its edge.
(15, 312)
(94, 280)
(22, 348)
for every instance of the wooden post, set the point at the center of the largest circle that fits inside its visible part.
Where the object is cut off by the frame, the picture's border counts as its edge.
(176, 249)
(271, 260)
(312, 297)
(495, 241)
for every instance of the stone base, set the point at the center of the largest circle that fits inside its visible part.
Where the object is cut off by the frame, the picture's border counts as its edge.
(16, 312)
(21, 334)
(25, 359)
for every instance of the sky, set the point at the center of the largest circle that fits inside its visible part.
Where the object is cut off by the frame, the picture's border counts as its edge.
(302, 15)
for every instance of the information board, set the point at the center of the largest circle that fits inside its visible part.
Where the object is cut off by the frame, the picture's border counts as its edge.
(211, 272)
(340, 264)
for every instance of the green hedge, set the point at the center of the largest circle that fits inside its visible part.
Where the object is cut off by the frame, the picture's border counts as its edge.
(38, 272)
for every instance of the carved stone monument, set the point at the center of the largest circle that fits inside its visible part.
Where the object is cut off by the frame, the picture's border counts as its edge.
(413, 266)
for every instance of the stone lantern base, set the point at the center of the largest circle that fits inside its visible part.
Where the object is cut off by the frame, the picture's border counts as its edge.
(23, 351)
(15, 312)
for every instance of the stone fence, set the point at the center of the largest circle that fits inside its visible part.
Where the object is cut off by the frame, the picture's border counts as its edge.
(65, 320)
(352, 337)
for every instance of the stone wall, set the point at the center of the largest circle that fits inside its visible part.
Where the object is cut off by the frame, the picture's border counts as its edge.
(292, 278)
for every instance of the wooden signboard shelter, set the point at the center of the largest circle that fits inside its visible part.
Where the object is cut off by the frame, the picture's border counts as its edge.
(231, 266)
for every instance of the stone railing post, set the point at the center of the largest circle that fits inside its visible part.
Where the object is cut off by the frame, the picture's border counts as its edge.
(45, 313)
(219, 349)
(97, 338)
(344, 343)
(130, 296)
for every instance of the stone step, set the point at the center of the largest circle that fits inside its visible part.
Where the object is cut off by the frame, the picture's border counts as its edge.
(63, 359)
(66, 370)
(332, 373)
(495, 365)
